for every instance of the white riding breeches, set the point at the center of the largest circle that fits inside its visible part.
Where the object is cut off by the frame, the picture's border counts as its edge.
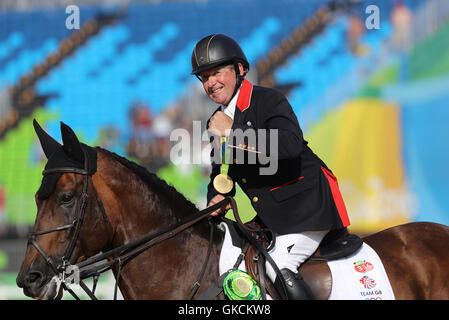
(290, 251)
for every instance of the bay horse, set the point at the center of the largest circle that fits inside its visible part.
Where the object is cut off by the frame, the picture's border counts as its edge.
(92, 201)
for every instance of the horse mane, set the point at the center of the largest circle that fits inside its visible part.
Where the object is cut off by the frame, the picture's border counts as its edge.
(157, 185)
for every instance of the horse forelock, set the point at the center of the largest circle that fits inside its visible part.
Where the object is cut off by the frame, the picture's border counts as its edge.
(59, 159)
(181, 206)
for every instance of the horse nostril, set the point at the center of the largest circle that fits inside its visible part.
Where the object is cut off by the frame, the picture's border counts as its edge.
(33, 278)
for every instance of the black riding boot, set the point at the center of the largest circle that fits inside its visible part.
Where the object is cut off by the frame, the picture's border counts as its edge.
(296, 288)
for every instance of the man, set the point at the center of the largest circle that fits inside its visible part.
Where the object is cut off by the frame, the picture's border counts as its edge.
(300, 202)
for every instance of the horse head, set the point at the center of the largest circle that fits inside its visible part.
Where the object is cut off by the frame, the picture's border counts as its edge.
(68, 228)
(91, 201)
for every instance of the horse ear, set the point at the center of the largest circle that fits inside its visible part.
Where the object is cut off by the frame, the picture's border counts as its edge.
(49, 145)
(72, 146)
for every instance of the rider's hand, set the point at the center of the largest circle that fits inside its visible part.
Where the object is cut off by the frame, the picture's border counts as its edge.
(220, 124)
(221, 210)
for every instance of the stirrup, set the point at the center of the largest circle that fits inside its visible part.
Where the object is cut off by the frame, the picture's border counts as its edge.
(297, 289)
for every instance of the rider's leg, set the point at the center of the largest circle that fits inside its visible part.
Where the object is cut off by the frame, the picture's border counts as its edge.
(290, 251)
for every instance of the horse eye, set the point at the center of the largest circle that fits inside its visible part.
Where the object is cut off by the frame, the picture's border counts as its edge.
(65, 198)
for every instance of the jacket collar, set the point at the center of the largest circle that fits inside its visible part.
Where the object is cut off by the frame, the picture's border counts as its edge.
(244, 98)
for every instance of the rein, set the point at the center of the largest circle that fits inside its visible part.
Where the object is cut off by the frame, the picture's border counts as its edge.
(119, 256)
(126, 252)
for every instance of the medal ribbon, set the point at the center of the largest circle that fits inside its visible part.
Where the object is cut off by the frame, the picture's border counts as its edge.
(224, 166)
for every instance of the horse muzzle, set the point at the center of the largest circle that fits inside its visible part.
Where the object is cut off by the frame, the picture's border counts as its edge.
(38, 284)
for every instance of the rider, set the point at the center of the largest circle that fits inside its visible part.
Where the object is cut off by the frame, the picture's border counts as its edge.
(300, 202)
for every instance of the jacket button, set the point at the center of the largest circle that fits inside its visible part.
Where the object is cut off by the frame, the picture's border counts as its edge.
(244, 180)
(255, 199)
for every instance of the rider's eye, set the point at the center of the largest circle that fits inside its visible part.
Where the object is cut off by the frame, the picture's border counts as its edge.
(66, 198)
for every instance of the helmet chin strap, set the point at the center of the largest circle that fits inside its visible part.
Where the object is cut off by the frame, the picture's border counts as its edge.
(239, 79)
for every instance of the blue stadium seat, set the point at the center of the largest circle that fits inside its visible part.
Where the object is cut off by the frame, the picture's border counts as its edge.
(146, 53)
(24, 62)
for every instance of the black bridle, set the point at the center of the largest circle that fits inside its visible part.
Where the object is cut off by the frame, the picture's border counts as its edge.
(76, 224)
(117, 257)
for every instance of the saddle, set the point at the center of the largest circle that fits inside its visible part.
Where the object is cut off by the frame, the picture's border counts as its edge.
(315, 271)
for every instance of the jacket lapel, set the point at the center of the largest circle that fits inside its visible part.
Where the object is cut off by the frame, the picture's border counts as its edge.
(243, 101)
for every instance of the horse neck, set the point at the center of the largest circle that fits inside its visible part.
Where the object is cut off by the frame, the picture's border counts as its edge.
(137, 211)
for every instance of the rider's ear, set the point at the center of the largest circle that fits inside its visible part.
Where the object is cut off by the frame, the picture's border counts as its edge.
(49, 145)
(72, 146)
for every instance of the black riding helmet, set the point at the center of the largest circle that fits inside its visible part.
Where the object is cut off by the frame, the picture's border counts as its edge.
(215, 50)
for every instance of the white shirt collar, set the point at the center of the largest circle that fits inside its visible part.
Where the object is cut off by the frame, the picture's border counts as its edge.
(229, 110)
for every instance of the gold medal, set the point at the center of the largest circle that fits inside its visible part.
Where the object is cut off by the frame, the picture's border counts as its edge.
(223, 183)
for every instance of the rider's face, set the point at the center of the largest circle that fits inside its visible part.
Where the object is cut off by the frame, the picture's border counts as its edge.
(219, 83)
